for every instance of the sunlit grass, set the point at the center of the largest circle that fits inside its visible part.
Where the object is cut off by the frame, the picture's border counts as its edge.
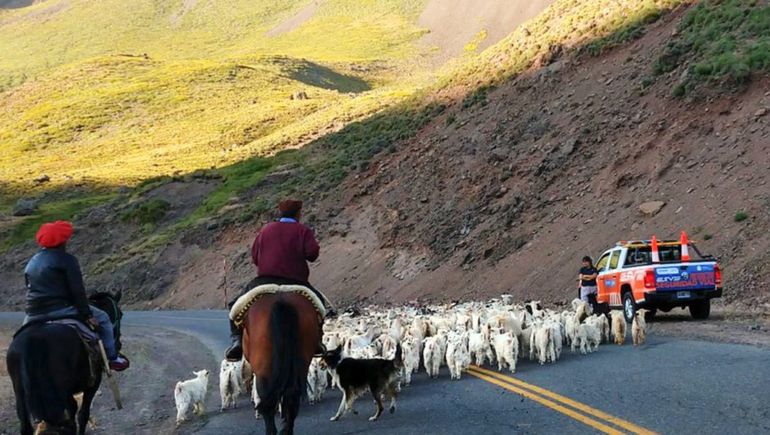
(206, 95)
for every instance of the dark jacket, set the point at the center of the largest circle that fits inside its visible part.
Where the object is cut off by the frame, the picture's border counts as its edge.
(54, 281)
(282, 250)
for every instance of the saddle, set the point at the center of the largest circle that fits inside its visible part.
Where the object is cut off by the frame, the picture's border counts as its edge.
(241, 306)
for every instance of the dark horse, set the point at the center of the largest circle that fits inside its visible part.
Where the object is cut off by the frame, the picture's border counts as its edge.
(49, 365)
(280, 336)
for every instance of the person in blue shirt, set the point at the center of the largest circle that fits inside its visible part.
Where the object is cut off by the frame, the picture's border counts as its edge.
(587, 280)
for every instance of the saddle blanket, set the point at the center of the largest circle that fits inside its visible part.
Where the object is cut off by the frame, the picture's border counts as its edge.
(242, 305)
(85, 332)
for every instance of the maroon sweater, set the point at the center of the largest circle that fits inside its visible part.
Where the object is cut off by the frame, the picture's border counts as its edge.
(282, 250)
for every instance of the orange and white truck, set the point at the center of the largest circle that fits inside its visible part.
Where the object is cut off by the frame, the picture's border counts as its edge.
(657, 275)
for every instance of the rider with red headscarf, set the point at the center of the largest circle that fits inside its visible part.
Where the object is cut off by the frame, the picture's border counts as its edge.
(55, 288)
(281, 252)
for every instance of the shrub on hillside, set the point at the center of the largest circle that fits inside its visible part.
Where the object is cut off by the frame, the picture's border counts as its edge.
(149, 212)
(723, 40)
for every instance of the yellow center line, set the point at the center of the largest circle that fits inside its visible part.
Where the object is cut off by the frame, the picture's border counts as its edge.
(567, 401)
(553, 405)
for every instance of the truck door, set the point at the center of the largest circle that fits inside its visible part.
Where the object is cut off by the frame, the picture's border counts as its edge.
(601, 266)
(608, 277)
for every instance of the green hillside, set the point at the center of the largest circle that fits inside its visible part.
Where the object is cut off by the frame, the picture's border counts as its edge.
(151, 88)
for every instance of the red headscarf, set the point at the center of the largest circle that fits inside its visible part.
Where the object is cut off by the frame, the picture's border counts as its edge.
(53, 234)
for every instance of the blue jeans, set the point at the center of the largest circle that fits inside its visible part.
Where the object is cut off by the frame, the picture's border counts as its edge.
(106, 332)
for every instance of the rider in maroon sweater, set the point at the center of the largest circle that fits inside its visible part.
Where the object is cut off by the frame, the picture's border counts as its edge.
(281, 252)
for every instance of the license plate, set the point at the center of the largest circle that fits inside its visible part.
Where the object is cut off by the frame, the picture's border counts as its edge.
(682, 295)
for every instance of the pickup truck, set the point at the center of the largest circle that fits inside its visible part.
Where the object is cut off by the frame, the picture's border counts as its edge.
(657, 276)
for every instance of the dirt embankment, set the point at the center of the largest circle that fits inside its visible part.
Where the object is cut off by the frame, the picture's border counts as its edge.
(159, 358)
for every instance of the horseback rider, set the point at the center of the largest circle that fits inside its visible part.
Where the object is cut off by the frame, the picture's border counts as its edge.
(281, 252)
(55, 288)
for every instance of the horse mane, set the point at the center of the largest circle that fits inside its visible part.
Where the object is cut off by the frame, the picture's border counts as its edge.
(108, 302)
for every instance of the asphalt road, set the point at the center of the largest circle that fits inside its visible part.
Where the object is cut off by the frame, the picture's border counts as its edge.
(667, 386)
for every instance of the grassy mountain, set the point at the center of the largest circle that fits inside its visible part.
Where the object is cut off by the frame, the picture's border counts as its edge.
(156, 88)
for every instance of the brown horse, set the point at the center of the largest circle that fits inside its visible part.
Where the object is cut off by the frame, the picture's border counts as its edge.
(280, 336)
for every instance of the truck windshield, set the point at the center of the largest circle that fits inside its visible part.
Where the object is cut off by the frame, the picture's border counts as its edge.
(643, 255)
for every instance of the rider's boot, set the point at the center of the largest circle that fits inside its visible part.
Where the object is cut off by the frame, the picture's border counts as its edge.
(235, 351)
(120, 363)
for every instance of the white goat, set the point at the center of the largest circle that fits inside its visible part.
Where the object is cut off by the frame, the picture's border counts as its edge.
(317, 381)
(230, 383)
(432, 356)
(589, 337)
(506, 348)
(191, 395)
(618, 327)
(639, 328)
(458, 358)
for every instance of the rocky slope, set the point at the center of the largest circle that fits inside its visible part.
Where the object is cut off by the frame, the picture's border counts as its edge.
(509, 195)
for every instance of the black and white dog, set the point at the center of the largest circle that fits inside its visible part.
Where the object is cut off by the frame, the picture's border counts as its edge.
(380, 376)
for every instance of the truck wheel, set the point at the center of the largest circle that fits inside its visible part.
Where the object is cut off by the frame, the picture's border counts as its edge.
(629, 307)
(650, 314)
(700, 309)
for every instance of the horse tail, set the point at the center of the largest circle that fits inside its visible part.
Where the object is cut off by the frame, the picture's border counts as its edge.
(286, 378)
(43, 399)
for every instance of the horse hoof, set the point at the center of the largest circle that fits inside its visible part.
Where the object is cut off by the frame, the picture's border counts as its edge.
(392, 409)
(335, 418)
(373, 418)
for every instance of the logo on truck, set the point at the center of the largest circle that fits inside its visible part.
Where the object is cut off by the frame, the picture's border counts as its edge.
(685, 279)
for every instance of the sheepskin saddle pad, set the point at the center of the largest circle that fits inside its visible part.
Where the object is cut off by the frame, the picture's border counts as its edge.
(241, 307)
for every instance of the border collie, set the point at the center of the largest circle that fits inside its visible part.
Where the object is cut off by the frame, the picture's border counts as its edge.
(380, 376)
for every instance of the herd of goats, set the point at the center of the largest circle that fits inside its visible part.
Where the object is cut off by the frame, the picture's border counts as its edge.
(454, 335)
